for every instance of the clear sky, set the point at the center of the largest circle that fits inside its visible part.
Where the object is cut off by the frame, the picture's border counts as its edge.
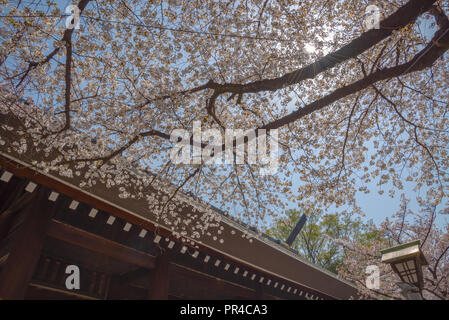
(377, 207)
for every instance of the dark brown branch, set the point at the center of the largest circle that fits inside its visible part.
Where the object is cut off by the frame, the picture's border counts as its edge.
(440, 16)
(429, 229)
(429, 154)
(398, 20)
(105, 159)
(260, 15)
(211, 109)
(347, 135)
(379, 56)
(33, 64)
(424, 59)
(68, 69)
(180, 187)
(440, 257)
(434, 293)
(66, 37)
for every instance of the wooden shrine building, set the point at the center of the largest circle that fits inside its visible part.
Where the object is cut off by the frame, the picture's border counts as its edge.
(47, 222)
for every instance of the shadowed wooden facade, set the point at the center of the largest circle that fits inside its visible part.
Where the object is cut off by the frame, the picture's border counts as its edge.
(47, 223)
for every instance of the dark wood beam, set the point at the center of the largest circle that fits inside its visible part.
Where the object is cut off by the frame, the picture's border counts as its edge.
(119, 290)
(228, 276)
(26, 246)
(134, 275)
(159, 278)
(11, 191)
(41, 291)
(210, 282)
(260, 293)
(8, 217)
(90, 241)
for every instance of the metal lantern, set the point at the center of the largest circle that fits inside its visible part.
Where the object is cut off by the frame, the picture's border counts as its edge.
(406, 260)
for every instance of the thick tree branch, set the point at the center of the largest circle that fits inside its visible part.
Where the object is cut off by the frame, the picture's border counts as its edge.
(68, 69)
(348, 127)
(33, 64)
(398, 20)
(105, 159)
(424, 59)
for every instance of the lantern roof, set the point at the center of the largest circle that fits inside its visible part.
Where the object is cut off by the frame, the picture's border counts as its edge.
(404, 251)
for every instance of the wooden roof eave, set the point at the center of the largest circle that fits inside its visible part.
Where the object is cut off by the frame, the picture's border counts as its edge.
(24, 170)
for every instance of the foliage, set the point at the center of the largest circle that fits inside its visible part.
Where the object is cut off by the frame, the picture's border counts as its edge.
(315, 241)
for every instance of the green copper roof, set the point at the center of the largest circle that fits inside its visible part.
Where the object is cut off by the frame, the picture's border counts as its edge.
(402, 246)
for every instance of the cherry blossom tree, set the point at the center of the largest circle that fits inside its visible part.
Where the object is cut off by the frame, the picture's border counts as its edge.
(353, 106)
(404, 226)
